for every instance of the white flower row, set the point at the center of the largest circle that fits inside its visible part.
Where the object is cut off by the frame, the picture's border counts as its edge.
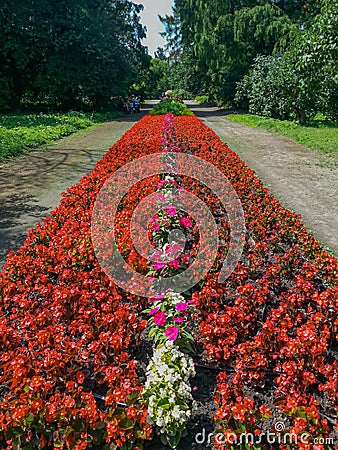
(168, 390)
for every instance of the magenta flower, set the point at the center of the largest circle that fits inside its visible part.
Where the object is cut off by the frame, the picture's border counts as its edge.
(159, 265)
(153, 311)
(174, 264)
(159, 319)
(156, 226)
(171, 210)
(185, 222)
(182, 306)
(178, 319)
(171, 333)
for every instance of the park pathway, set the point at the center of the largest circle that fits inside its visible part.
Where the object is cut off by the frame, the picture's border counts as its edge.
(31, 185)
(303, 180)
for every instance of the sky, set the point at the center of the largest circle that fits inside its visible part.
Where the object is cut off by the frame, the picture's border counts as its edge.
(149, 18)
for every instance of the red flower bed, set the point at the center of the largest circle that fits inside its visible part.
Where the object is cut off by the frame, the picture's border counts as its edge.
(67, 332)
(273, 324)
(70, 336)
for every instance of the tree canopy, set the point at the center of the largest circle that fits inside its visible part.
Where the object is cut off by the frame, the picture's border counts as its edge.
(225, 36)
(68, 53)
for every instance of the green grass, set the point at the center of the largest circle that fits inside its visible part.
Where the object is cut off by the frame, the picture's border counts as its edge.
(19, 133)
(321, 135)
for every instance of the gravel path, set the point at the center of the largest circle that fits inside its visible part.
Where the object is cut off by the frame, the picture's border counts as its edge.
(303, 180)
(31, 185)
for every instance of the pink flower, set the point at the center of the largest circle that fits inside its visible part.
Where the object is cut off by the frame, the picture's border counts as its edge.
(171, 333)
(178, 319)
(185, 259)
(159, 265)
(185, 222)
(156, 226)
(171, 210)
(153, 311)
(182, 306)
(174, 264)
(159, 319)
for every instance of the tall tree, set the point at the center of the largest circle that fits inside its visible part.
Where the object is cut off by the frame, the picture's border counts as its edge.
(226, 35)
(172, 34)
(67, 52)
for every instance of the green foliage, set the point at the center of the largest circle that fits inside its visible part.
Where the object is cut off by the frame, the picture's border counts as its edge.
(172, 33)
(303, 80)
(315, 56)
(68, 54)
(183, 77)
(18, 133)
(155, 79)
(202, 99)
(319, 135)
(176, 107)
(267, 88)
(224, 37)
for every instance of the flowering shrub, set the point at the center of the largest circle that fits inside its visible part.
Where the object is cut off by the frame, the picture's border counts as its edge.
(168, 392)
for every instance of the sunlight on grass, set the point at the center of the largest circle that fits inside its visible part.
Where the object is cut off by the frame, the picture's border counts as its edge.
(21, 132)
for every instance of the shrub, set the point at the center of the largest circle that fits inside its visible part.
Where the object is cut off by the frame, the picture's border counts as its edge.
(174, 106)
(301, 82)
(202, 99)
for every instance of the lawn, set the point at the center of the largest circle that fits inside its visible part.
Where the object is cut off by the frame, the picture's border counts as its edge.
(321, 135)
(19, 133)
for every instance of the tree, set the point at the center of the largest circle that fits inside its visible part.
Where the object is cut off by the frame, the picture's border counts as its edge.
(172, 34)
(303, 80)
(155, 79)
(69, 54)
(160, 54)
(226, 36)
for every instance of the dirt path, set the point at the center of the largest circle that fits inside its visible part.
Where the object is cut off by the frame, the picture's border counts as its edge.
(31, 185)
(303, 180)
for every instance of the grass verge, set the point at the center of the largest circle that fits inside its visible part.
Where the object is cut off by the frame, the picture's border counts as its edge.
(19, 133)
(321, 135)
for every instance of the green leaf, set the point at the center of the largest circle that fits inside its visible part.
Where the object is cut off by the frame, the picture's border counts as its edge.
(29, 418)
(174, 440)
(126, 424)
(131, 398)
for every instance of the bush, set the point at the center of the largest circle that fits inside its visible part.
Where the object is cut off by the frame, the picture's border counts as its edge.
(202, 99)
(268, 88)
(303, 81)
(174, 106)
